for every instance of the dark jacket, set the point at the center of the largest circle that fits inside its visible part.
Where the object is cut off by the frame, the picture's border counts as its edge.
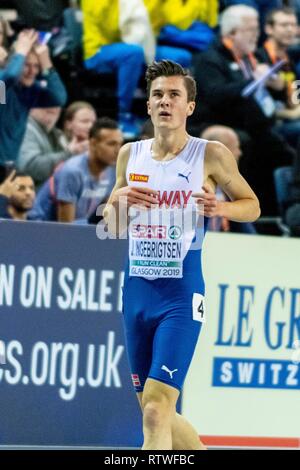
(288, 72)
(220, 83)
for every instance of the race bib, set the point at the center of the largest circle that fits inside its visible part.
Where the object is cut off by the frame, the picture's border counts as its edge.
(198, 308)
(156, 251)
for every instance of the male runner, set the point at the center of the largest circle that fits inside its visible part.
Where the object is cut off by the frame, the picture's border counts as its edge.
(163, 288)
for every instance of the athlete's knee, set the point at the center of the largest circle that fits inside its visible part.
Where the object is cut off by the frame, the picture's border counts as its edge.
(156, 413)
(157, 410)
(152, 416)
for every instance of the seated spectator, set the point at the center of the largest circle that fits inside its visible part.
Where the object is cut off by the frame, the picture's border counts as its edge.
(24, 91)
(79, 185)
(44, 146)
(78, 119)
(188, 25)
(17, 195)
(281, 29)
(222, 73)
(231, 140)
(106, 52)
(262, 6)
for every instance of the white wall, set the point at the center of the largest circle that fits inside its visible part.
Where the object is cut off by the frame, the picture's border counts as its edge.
(249, 268)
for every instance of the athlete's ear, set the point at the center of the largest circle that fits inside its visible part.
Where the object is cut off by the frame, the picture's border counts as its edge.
(148, 108)
(191, 107)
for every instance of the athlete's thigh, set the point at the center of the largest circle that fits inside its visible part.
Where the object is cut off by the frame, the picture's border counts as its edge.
(174, 345)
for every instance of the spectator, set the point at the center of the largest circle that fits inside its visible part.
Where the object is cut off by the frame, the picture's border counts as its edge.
(281, 29)
(106, 52)
(231, 140)
(42, 15)
(291, 209)
(44, 146)
(24, 91)
(222, 73)
(187, 27)
(17, 194)
(79, 118)
(79, 185)
(262, 6)
(5, 33)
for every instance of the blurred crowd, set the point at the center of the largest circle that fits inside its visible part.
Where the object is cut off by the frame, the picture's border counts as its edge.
(75, 91)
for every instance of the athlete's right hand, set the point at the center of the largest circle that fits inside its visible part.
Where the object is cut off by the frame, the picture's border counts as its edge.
(136, 196)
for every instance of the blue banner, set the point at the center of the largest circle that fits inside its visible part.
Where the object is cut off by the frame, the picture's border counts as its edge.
(65, 380)
(255, 373)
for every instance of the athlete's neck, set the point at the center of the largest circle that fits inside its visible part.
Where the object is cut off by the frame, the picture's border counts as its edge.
(166, 146)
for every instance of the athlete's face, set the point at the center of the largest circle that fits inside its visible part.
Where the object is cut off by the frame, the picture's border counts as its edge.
(168, 103)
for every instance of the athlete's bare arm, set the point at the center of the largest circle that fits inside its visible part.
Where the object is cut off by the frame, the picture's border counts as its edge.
(221, 170)
(123, 196)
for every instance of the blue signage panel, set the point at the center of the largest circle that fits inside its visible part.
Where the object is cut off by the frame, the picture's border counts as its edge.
(65, 380)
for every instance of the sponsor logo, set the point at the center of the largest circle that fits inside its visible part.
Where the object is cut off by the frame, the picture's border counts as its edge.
(139, 178)
(170, 372)
(181, 175)
(148, 231)
(174, 198)
(175, 232)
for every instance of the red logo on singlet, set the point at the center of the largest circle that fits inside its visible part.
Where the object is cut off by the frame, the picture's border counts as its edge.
(139, 178)
(148, 231)
(174, 198)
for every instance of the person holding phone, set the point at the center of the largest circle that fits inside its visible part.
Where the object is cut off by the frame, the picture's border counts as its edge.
(24, 91)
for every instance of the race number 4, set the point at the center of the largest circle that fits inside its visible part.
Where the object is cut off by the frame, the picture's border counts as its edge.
(199, 308)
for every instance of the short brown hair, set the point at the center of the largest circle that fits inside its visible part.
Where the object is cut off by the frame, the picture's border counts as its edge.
(74, 107)
(270, 18)
(168, 68)
(71, 111)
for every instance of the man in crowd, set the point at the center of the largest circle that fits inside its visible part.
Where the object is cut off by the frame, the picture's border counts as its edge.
(79, 185)
(17, 195)
(281, 29)
(222, 73)
(44, 145)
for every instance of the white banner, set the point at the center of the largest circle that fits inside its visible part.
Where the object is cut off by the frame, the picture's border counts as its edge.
(245, 375)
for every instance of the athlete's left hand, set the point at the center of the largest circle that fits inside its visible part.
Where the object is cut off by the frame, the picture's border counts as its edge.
(207, 202)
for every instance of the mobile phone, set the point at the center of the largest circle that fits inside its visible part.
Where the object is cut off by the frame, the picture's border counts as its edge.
(44, 37)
